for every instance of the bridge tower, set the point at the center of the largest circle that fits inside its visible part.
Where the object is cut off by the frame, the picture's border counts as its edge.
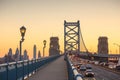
(54, 46)
(72, 37)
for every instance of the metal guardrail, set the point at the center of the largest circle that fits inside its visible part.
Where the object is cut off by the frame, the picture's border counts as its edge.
(21, 69)
(72, 71)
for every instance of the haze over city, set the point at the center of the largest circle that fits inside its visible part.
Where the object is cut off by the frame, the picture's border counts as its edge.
(45, 18)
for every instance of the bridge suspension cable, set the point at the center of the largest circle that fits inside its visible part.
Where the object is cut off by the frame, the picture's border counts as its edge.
(83, 47)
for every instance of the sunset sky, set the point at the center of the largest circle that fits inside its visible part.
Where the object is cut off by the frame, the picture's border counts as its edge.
(45, 18)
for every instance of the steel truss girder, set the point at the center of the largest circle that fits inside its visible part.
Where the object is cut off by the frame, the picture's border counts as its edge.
(71, 29)
(71, 36)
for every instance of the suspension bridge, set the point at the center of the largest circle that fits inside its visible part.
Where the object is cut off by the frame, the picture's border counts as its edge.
(57, 67)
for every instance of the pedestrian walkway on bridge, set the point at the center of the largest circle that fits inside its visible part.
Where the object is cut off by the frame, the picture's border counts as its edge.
(56, 70)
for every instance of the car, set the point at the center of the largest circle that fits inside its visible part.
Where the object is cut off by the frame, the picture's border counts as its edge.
(118, 67)
(88, 66)
(78, 65)
(82, 68)
(103, 64)
(89, 73)
(96, 62)
(112, 66)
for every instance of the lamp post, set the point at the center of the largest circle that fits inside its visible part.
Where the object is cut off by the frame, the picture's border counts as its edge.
(119, 53)
(44, 43)
(118, 46)
(22, 31)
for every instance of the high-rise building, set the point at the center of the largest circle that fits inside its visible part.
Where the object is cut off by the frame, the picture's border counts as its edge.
(39, 54)
(103, 45)
(9, 58)
(25, 57)
(17, 56)
(10, 52)
(34, 52)
(54, 46)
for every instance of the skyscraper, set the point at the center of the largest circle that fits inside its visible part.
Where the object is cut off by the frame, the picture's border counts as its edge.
(39, 54)
(17, 56)
(34, 52)
(103, 45)
(54, 46)
(25, 57)
(10, 52)
(9, 58)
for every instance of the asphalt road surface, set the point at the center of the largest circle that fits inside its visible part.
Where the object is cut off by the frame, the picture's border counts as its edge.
(102, 74)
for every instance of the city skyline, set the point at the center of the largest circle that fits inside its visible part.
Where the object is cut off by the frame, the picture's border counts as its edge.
(44, 19)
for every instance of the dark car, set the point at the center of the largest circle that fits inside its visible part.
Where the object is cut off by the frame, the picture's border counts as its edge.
(82, 68)
(118, 67)
(88, 66)
(89, 73)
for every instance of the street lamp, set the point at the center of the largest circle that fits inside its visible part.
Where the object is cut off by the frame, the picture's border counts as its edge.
(118, 46)
(44, 43)
(22, 31)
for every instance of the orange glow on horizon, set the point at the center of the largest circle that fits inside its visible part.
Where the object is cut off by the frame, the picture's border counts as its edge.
(44, 19)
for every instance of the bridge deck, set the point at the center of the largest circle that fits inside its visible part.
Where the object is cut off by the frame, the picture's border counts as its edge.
(55, 70)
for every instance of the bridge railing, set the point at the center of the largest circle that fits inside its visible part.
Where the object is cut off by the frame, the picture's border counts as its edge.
(21, 69)
(72, 71)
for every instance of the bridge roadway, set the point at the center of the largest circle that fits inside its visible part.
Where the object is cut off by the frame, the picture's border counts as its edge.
(56, 70)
